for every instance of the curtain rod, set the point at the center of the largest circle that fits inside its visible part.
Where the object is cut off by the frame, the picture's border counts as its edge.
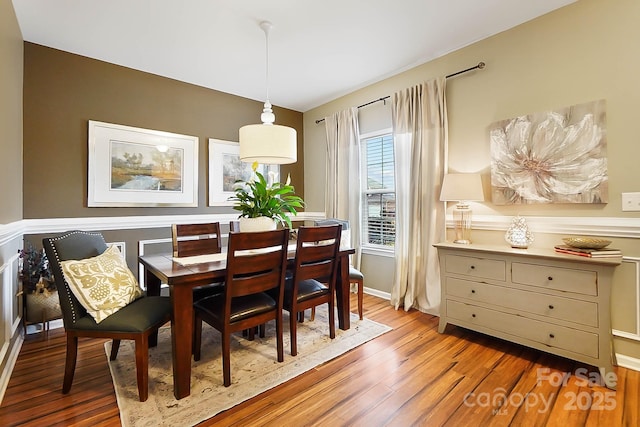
(480, 66)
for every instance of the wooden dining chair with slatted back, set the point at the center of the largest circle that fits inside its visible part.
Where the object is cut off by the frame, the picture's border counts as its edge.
(256, 264)
(198, 239)
(100, 298)
(314, 276)
(355, 275)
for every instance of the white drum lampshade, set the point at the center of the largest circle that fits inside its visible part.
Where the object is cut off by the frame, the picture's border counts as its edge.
(268, 144)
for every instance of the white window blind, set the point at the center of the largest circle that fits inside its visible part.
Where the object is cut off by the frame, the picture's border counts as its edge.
(379, 198)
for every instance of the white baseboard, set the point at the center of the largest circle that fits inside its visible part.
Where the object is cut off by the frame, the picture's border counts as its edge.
(11, 363)
(377, 293)
(628, 362)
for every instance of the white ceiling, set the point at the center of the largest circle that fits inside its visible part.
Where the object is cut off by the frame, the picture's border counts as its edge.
(318, 50)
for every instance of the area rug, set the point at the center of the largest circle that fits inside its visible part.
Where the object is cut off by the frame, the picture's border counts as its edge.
(254, 369)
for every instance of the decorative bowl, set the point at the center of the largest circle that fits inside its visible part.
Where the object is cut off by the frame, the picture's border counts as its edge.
(586, 242)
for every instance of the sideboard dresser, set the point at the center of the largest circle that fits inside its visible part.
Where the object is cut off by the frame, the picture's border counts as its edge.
(553, 302)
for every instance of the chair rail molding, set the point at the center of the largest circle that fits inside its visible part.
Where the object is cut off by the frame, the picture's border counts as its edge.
(56, 225)
(590, 225)
(11, 231)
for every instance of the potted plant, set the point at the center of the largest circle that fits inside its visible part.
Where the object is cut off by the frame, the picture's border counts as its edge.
(259, 198)
(41, 297)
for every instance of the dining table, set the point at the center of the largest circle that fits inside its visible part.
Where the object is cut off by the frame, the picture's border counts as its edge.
(181, 278)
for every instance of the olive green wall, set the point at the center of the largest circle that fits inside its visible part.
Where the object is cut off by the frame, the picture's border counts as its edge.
(11, 70)
(63, 91)
(11, 48)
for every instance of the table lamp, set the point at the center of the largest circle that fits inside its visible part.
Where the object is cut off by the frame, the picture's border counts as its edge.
(463, 188)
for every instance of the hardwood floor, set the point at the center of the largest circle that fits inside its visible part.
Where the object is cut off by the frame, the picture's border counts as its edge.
(409, 376)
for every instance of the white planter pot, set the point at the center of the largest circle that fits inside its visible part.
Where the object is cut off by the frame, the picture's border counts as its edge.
(261, 223)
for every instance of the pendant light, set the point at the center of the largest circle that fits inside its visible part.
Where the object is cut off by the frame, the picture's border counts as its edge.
(267, 143)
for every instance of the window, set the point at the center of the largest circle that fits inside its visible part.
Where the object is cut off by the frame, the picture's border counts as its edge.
(378, 195)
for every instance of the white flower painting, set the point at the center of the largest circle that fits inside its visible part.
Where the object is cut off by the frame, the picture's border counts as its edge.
(551, 157)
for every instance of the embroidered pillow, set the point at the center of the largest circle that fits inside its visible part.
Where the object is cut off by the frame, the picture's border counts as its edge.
(102, 284)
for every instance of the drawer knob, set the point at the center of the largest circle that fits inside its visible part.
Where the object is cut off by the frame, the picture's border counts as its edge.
(549, 278)
(473, 315)
(473, 267)
(551, 336)
(473, 291)
(551, 306)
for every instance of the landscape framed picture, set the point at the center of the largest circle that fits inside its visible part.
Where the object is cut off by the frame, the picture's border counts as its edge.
(225, 168)
(131, 166)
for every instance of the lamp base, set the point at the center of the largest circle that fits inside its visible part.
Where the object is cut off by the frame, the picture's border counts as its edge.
(462, 241)
(462, 221)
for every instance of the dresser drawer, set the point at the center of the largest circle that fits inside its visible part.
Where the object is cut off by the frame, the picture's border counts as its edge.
(554, 307)
(562, 279)
(481, 268)
(547, 334)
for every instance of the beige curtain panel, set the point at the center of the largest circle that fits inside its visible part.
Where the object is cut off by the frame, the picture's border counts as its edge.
(420, 143)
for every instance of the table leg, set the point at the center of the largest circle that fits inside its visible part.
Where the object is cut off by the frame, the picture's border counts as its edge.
(182, 339)
(342, 294)
(153, 289)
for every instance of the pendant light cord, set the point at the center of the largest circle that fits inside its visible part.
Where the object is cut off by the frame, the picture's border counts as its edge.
(266, 27)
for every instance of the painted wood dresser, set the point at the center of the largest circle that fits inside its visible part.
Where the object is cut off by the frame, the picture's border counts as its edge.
(535, 297)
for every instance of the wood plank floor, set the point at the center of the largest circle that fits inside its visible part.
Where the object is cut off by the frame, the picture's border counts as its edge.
(411, 376)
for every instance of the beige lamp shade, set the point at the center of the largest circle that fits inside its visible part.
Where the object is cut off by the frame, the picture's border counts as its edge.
(462, 187)
(268, 144)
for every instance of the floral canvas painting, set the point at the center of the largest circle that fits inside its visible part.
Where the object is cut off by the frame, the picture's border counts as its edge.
(551, 157)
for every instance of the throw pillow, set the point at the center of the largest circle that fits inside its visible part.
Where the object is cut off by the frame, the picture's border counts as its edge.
(103, 284)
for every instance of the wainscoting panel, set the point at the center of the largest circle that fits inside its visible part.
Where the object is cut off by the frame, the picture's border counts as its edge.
(633, 332)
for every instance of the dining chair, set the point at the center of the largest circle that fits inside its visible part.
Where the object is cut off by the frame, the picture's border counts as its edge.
(355, 275)
(314, 276)
(198, 239)
(138, 320)
(249, 333)
(256, 264)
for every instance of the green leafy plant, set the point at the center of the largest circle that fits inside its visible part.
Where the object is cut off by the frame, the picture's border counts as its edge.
(271, 199)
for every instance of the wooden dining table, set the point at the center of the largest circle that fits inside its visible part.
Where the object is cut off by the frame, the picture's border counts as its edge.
(181, 279)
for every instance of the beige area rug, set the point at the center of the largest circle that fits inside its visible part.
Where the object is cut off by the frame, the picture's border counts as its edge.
(254, 369)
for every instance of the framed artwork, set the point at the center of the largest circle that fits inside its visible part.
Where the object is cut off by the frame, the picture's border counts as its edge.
(225, 168)
(130, 166)
(551, 157)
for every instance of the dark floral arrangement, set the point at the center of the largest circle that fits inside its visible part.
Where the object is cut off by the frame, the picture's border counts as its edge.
(35, 274)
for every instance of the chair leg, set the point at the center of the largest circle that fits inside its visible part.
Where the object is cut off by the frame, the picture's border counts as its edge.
(313, 314)
(332, 322)
(142, 366)
(360, 297)
(226, 362)
(279, 338)
(263, 330)
(115, 346)
(70, 362)
(197, 337)
(293, 324)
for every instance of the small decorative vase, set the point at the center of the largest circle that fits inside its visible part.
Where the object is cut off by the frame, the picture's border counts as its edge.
(518, 234)
(261, 223)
